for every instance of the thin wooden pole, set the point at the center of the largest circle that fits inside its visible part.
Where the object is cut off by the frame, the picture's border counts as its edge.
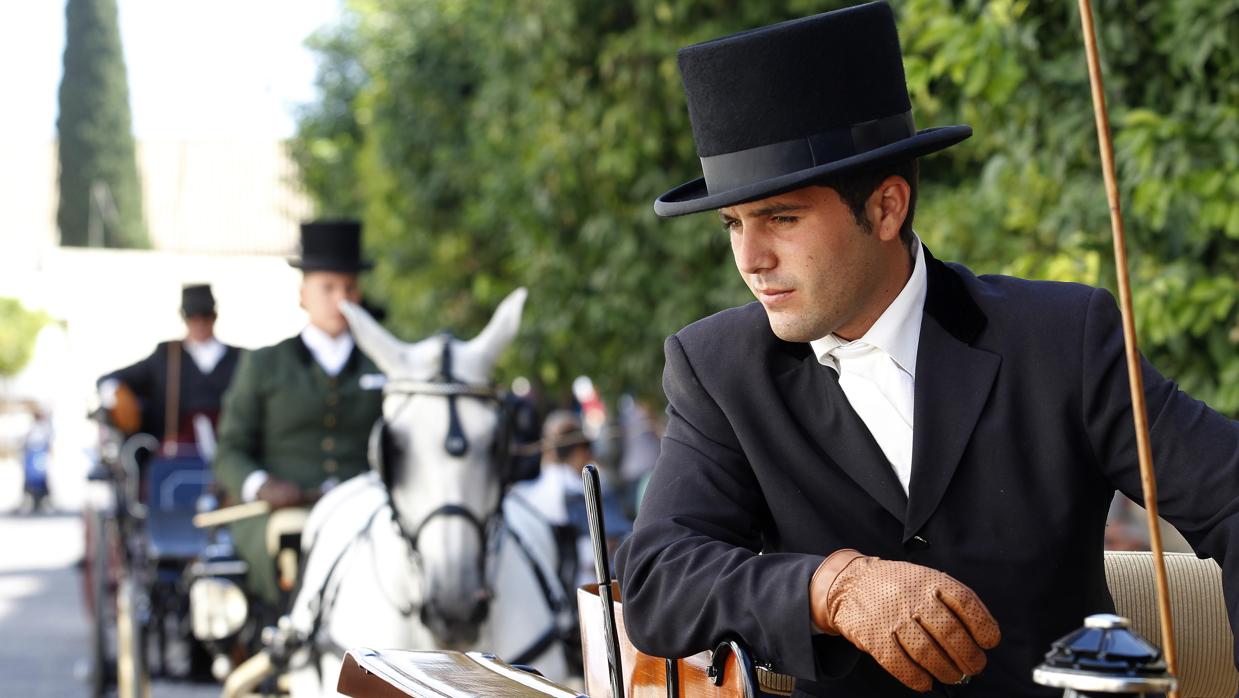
(1136, 380)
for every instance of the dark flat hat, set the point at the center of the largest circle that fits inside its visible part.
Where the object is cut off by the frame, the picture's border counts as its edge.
(777, 107)
(331, 246)
(197, 299)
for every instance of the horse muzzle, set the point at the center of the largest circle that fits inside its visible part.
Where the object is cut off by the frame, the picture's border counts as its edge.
(458, 627)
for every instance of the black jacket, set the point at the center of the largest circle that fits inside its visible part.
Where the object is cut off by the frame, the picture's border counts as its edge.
(200, 393)
(1022, 432)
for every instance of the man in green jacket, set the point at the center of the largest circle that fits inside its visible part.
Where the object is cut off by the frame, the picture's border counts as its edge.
(298, 414)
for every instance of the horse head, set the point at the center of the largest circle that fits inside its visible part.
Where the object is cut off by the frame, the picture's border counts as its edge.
(438, 450)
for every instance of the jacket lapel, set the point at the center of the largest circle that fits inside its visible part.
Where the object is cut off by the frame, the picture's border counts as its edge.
(822, 411)
(953, 382)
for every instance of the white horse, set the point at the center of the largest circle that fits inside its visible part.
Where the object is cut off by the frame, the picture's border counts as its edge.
(429, 553)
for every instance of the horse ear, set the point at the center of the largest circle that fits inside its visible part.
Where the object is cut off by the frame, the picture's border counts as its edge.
(499, 332)
(377, 343)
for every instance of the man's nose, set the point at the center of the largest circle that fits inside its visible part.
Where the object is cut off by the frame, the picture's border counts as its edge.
(753, 253)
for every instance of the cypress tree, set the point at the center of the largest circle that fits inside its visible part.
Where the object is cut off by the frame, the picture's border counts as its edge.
(96, 140)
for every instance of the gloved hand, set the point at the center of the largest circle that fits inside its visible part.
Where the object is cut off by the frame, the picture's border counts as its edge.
(280, 493)
(917, 622)
(124, 406)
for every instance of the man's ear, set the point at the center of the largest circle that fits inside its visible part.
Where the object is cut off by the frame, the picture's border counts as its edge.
(888, 207)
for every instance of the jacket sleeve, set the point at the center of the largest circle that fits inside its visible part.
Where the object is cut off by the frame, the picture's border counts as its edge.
(138, 377)
(241, 421)
(1195, 449)
(691, 574)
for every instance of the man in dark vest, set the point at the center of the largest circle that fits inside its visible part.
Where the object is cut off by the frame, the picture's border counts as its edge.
(181, 380)
(298, 414)
(889, 475)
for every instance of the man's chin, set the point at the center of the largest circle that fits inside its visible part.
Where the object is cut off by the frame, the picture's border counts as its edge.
(789, 329)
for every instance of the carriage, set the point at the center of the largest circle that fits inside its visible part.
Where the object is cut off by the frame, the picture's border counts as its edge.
(314, 651)
(139, 540)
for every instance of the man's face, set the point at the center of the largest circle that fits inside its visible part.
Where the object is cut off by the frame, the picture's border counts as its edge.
(811, 264)
(321, 293)
(200, 328)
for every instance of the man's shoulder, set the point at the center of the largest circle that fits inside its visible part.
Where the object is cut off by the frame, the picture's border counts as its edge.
(730, 344)
(1031, 315)
(738, 329)
(275, 353)
(1015, 296)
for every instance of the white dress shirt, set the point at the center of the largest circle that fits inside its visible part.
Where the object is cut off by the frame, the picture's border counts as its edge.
(206, 355)
(331, 353)
(877, 372)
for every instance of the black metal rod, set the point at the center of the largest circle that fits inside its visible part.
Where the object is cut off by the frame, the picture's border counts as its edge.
(602, 568)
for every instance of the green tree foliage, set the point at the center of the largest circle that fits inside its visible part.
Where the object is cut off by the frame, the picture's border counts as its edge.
(97, 166)
(329, 134)
(18, 330)
(491, 145)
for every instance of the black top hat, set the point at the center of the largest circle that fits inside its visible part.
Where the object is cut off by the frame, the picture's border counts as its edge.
(777, 107)
(331, 246)
(197, 300)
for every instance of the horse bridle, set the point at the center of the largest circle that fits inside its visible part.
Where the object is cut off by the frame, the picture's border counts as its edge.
(446, 385)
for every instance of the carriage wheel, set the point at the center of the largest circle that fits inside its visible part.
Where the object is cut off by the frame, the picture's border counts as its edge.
(102, 604)
(132, 679)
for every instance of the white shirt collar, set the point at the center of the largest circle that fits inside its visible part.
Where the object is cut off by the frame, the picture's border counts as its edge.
(330, 352)
(898, 330)
(206, 355)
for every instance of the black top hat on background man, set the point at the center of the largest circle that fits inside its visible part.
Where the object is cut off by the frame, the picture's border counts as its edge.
(775, 108)
(197, 301)
(331, 246)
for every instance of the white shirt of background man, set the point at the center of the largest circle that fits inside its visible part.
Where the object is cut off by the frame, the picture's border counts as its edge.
(206, 355)
(331, 353)
(877, 372)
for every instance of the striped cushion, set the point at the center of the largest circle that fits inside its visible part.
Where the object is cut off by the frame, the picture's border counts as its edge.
(1203, 638)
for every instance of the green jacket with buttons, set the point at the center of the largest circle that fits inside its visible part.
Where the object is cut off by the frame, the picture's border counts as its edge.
(285, 415)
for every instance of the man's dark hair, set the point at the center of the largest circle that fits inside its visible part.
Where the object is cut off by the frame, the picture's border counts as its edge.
(855, 187)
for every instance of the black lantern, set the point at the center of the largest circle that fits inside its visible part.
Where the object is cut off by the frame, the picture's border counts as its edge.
(1105, 658)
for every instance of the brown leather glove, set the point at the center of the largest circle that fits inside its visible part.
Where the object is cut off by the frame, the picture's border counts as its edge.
(279, 493)
(126, 413)
(917, 622)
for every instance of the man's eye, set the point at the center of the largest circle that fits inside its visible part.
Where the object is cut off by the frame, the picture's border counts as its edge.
(731, 225)
(784, 220)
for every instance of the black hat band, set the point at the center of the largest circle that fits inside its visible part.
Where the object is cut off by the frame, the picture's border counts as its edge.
(734, 170)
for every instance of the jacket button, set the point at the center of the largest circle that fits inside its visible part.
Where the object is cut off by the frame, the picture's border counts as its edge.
(332, 399)
(329, 444)
(330, 465)
(917, 543)
(329, 421)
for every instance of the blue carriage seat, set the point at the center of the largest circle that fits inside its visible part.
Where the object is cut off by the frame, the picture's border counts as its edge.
(173, 488)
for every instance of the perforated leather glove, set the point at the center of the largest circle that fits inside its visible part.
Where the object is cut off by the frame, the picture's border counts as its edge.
(917, 622)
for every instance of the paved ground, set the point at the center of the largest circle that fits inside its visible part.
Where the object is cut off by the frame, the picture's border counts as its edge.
(43, 623)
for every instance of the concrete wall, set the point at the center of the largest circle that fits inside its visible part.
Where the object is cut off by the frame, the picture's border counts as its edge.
(220, 212)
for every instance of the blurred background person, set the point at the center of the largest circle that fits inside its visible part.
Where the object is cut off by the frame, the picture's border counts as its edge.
(558, 495)
(36, 456)
(296, 420)
(164, 393)
(640, 433)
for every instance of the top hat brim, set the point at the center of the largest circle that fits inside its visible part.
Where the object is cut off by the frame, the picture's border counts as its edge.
(198, 310)
(345, 266)
(694, 197)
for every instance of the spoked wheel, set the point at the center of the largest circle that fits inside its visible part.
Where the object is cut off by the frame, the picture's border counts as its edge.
(103, 608)
(132, 679)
